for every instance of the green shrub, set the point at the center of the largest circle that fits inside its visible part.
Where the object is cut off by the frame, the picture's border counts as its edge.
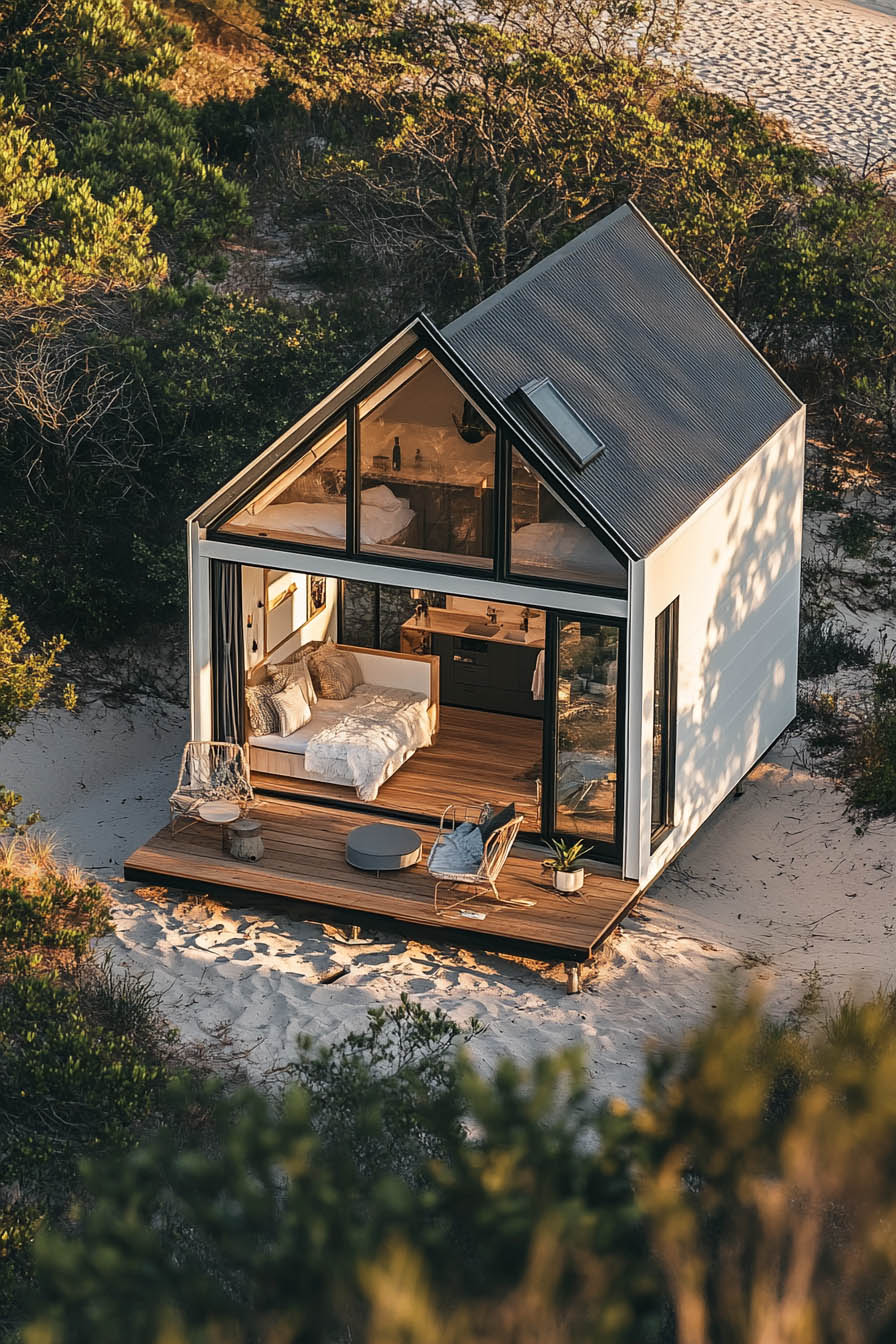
(759, 1145)
(827, 645)
(870, 756)
(100, 546)
(390, 1092)
(85, 1056)
(856, 533)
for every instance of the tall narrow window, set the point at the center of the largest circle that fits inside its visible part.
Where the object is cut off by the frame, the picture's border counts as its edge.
(588, 678)
(665, 679)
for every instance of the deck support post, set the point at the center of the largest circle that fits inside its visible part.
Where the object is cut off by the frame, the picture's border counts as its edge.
(573, 977)
(354, 933)
(739, 789)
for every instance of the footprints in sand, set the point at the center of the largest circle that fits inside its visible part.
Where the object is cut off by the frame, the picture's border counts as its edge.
(828, 68)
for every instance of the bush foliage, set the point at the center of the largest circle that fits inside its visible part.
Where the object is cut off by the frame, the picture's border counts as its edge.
(743, 1199)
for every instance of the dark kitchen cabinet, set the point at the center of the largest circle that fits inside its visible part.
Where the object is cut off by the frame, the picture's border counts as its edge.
(482, 674)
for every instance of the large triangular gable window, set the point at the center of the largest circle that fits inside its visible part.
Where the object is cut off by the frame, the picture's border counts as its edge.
(427, 465)
(307, 502)
(546, 541)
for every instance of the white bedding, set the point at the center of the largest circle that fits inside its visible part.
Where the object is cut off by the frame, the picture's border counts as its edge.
(359, 741)
(382, 516)
(564, 546)
(323, 715)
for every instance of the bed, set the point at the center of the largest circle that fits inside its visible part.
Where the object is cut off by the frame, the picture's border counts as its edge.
(565, 548)
(386, 519)
(361, 741)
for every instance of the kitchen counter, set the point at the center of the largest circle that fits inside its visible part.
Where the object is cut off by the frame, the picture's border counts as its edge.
(442, 622)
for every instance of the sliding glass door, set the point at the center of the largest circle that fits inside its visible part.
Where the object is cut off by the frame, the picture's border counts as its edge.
(589, 714)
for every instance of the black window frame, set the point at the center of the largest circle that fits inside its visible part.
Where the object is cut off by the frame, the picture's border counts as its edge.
(602, 850)
(507, 440)
(666, 697)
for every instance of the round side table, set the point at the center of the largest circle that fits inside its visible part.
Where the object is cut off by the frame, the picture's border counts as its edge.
(219, 814)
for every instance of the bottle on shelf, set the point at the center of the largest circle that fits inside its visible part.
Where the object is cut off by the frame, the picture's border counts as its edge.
(396, 455)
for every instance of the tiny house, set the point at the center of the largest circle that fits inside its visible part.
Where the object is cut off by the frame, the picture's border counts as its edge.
(563, 532)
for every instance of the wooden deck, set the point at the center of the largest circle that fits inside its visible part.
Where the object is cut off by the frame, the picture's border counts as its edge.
(477, 757)
(304, 861)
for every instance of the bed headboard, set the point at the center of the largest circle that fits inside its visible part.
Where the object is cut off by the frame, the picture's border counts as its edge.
(382, 667)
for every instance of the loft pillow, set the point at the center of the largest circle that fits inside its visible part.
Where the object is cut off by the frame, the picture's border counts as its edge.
(381, 497)
(292, 708)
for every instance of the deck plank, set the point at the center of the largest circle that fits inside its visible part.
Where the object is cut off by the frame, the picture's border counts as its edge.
(304, 861)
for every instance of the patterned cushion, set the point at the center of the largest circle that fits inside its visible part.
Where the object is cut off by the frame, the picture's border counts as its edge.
(263, 716)
(334, 672)
(294, 673)
(292, 708)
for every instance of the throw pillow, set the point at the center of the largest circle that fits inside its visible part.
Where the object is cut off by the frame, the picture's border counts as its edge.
(292, 708)
(263, 716)
(495, 820)
(285, 674)
(334, 672)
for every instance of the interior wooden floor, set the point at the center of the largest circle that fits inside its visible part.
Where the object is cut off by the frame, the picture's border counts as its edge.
(477, 757)
(304, 860)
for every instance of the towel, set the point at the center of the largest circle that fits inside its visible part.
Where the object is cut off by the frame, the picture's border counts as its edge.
(538, 678)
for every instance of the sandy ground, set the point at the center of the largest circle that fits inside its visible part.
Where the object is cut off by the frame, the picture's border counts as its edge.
(827, 67)
(776, 883)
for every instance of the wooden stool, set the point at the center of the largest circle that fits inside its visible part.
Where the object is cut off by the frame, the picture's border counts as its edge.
(245, 839)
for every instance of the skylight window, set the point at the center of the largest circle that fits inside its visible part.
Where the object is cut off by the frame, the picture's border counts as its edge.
(555, 415)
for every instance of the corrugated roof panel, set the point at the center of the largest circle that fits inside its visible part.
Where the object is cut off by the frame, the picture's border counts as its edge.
(629, 338)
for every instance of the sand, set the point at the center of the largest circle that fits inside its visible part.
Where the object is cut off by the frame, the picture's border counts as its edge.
(829, 68)
(776, 883)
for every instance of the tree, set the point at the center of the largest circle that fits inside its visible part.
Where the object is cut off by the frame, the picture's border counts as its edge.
(91, 74)
(58, 242)
(440, 143)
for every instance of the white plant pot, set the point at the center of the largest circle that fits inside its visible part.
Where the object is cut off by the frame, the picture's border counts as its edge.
(569, 881)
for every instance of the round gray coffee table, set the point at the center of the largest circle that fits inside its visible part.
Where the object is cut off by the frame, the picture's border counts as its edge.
(381, 848)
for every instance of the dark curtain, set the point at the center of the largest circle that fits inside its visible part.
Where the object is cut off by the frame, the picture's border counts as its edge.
(228, 669)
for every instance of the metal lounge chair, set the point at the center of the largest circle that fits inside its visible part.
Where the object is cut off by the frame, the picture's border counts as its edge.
(474, 880)
(210, 772)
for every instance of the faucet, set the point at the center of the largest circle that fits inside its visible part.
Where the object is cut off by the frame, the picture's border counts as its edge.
(526, 616)
(492, 615)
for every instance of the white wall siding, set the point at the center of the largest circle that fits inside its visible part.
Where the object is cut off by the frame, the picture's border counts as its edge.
(735, 568)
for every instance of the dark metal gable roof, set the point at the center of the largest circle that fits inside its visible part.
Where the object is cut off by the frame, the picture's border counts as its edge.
(648, 360)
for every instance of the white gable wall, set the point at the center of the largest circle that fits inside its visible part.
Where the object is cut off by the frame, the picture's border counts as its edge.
(735, 568)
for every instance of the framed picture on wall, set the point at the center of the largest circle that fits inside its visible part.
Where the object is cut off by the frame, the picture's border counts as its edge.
(317, 594)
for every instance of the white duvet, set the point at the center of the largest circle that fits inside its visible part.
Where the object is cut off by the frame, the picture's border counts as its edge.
(382, 516)
(368, 744)
(564, 546)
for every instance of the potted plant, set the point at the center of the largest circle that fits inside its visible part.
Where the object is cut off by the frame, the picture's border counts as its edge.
(566, 864)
